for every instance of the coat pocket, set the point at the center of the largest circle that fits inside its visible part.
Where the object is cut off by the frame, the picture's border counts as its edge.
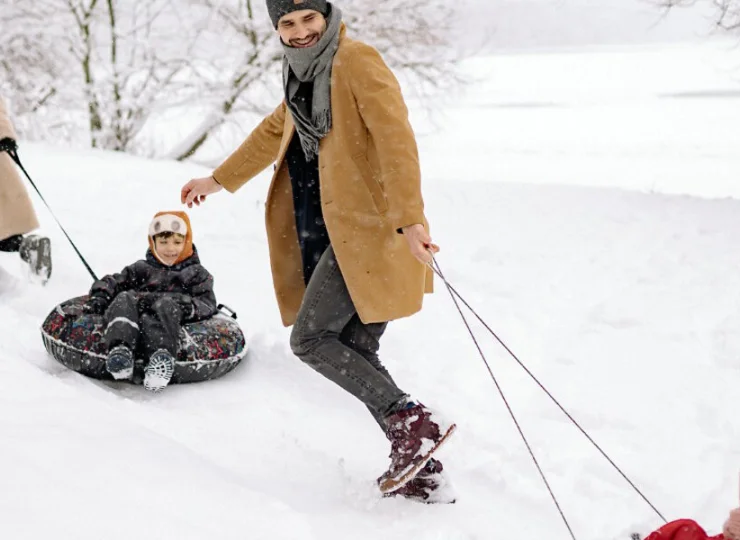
(372, 183)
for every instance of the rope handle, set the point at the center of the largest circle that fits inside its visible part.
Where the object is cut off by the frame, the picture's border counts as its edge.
(434, 265)
(13, 153)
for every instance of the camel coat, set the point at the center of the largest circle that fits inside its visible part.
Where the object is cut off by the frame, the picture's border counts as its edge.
(370, 185)
(17, 215)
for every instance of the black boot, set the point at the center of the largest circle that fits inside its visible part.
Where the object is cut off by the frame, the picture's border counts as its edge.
(36, 251)
(120, 362)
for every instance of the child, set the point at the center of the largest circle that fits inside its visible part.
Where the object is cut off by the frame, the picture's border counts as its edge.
(686, 529)
(146, 304)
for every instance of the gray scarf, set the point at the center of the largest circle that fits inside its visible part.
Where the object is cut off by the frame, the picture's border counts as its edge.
(312, 64)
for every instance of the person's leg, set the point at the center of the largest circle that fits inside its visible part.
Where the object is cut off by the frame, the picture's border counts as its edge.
(160, 342)
(121, 334)
(365, 339)
(414, 431)
(325, 312)
(122, 322)
(33, 249)
(431, 484)
(161, 327)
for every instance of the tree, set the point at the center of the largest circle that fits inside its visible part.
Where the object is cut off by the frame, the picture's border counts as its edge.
(414, 36)
(30, 72)
(133, 62)
(104, 67)
(728, 11)
(121, 73)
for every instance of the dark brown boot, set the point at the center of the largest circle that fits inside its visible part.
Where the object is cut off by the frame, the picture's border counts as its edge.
(416, 434)
(429, 487)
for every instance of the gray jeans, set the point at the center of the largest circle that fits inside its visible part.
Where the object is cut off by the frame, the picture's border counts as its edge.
(329, 336)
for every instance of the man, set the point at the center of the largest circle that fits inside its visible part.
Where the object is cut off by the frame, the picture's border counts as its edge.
(17, 217)
(345, 221)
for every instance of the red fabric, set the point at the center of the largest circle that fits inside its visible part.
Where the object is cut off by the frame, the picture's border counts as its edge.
(682, 529)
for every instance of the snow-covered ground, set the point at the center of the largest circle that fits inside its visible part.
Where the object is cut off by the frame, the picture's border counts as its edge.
(652, 118)
(624, 303)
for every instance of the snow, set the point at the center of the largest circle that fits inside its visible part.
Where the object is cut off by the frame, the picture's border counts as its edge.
(597, 237)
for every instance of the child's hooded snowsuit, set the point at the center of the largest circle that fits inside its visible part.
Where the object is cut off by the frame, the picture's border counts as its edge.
(682, 529)
(149, 301)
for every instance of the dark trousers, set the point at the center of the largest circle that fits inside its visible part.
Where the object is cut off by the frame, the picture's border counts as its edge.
(11, 244)
(157, 327)
(329, 336)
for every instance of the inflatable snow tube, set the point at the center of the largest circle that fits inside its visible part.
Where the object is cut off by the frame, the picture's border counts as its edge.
(208, 349)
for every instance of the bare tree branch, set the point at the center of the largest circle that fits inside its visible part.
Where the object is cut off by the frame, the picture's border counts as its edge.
(727, 11)
(114, 73)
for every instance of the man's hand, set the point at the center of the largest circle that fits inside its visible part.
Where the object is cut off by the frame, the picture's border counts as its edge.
(8, 145)
(732, 526)
(198, 189)
(420, 243)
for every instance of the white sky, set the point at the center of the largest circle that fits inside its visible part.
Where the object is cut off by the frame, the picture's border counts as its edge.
(514, 24)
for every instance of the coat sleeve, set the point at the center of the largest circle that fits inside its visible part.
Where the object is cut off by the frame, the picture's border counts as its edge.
(6, 126)
(384, 112)
(110, 286)
(258, 151)
(200, 290)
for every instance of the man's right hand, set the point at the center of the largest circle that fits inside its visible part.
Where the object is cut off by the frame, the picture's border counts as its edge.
(198, 189)
(732, 526)
(8, 145)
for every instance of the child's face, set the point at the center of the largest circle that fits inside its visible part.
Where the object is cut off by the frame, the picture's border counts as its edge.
(170, 248)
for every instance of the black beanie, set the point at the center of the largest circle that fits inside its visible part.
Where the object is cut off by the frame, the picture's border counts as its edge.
(278, 8)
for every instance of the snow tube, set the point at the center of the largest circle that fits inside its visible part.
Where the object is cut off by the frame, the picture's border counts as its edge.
(208, 349)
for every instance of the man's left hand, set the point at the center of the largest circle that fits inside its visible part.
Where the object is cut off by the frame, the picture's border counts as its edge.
(420, 243)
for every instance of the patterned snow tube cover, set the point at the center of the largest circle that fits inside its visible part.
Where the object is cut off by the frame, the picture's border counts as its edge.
(208, 349)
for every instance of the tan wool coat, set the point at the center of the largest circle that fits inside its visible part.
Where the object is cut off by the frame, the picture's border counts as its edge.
(370, 185)
(17, 215)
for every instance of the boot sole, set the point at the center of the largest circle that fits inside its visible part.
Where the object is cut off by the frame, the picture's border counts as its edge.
(122, 374)
(156, 379)
(419, 500)
(389, 485)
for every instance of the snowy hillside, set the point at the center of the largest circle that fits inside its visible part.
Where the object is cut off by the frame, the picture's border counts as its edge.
(626, 304)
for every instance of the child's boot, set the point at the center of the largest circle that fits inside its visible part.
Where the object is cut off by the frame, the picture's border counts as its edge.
(158, 373)
(120, 362)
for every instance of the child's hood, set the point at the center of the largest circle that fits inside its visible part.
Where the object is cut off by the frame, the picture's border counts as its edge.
(174, 221)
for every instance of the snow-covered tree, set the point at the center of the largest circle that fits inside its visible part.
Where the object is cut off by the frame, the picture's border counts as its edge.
(100, 67)
(728, 11)
(414, 36)
(32, 69)
(119, 74)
